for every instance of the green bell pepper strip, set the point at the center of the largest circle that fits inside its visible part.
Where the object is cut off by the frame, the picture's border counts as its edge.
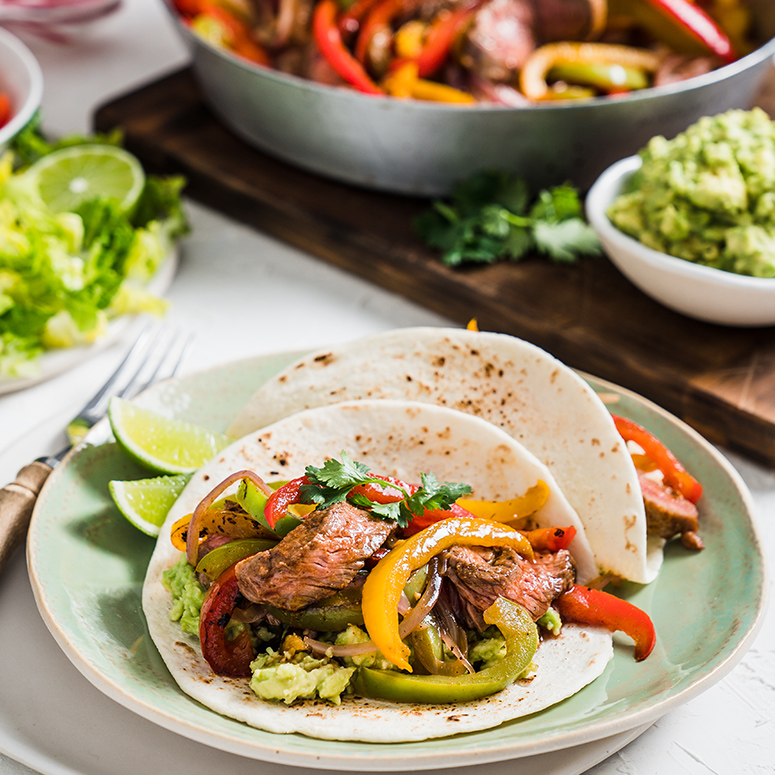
(332, 614)
(521, 636)
(214, 563)
(250, 497)
(606, 76)
(428, 650)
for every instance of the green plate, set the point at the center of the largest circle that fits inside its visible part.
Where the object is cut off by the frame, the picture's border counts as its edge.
(87, 565)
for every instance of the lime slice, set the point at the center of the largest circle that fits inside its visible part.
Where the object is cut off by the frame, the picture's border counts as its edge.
(67, 178)
(145, 502)
(162, 444)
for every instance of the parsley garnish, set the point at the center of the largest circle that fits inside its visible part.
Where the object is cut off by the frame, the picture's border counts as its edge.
(333, 482)
(492, 216)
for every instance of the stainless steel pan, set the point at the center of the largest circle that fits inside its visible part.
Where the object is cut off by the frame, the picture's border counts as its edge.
(420, 148)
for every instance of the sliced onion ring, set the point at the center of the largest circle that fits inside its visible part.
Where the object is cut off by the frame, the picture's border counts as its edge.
(192, 538)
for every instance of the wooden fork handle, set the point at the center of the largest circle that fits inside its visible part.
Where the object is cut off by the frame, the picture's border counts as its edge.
(17, 501)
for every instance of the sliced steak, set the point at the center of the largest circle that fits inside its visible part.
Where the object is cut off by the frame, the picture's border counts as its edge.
(669, 514)
(500, 39)
(320, 556)
(568, 19)
(481, 575)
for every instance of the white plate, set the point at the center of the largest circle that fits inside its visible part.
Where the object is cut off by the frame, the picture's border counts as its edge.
(53, 362)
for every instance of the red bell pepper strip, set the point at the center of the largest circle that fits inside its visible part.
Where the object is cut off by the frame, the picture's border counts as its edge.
(681, 24)
(328, 38)
(550, 539)
(441, 36)
(276, 506)
(350, 20)
(379, 19)
(676, 476)
(5, 109)
(226, 657)
(598, 608)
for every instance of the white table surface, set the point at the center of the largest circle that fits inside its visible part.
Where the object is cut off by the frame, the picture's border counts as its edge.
(225, 268)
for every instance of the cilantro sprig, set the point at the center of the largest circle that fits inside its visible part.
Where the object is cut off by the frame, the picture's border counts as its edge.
(334, 481)
(492, 216)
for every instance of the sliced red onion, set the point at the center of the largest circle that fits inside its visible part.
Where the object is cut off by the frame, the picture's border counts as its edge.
(192, 539)
(286, 16)
(452, 634)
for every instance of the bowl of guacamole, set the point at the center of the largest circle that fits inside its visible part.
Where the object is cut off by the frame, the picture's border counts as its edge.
(691, 220)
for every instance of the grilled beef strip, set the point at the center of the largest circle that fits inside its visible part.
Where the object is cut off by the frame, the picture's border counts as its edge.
(669, 514)
(480, 575)
(320, 556)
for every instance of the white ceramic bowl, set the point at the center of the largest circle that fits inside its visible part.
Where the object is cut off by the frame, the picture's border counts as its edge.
(701, 292)
(22, 79)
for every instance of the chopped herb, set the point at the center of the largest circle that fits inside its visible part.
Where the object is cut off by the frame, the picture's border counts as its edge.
(492, 216)
(334, 481)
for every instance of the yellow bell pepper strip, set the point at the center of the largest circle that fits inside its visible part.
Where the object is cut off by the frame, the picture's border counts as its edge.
(384, 585)
(506, 511)
(675, 475)
(532, 78)
(179, 531)
(521, 635)
(217, 25)
(408, 40)
(431, 91)
(403, 82)
(328, 38)
(595, 607)
(681, 24)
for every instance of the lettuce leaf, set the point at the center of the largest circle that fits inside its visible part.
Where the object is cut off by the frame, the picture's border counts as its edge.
(64, 276)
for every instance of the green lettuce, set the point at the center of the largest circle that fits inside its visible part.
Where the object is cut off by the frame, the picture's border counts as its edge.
(65, 276)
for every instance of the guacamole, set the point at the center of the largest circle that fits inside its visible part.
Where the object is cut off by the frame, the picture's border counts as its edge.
(708, 195)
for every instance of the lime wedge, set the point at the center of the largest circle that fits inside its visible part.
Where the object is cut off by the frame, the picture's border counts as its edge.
(145, 502)
(162, 444)
(66, 178)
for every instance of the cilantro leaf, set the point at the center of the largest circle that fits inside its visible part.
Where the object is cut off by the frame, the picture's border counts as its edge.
(334, 481)
(492, 215)
(564, 241)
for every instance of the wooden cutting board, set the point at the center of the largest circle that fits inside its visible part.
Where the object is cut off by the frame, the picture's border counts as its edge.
(720, 380)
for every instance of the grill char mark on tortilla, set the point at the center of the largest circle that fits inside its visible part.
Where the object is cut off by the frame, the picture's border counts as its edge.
(480, 575)
(317, 558)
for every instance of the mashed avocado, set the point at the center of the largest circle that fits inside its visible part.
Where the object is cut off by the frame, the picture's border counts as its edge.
(187, 595)
(708, 195)
(302, 676)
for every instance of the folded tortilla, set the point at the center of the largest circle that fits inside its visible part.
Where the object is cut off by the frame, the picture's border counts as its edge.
(510, 383)
(402, 439)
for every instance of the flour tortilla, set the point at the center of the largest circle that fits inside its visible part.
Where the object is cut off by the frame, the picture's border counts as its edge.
(401, 439)
(510, 383)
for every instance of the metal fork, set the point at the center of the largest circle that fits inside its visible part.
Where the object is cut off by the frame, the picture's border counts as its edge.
(157, 354)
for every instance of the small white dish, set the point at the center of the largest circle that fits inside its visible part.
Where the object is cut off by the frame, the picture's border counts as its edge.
(22, 80)
(698, 291)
